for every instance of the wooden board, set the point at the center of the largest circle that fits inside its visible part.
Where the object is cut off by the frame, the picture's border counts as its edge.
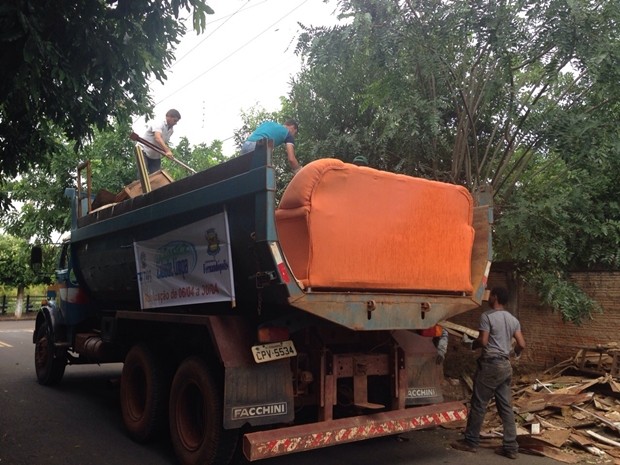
(157, 179)
(537, 401)
(458, 329)
(102, 198)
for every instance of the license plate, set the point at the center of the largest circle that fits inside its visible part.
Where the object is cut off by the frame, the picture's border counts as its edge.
(274, 351)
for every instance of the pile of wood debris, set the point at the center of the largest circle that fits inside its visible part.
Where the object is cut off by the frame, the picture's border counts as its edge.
(570, 413)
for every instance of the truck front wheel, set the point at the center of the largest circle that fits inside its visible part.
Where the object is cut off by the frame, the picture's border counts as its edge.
(196, 425)
(145, 383)
(49, 364)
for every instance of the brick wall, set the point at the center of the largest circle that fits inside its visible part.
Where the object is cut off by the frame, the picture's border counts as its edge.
(549, 339)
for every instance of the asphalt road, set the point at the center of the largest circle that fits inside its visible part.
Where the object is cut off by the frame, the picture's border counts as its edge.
(79, 423)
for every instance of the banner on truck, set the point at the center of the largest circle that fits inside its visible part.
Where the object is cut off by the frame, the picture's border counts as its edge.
(189, 265)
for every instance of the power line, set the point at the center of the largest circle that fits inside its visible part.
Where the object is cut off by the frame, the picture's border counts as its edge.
(228, 18)
(231, 54)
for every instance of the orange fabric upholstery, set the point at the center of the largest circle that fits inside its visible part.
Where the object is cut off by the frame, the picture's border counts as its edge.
(347, 227)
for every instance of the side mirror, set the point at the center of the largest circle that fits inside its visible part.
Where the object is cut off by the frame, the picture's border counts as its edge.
(36, 258)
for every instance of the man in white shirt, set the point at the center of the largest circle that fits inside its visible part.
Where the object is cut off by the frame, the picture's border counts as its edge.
(159, 134)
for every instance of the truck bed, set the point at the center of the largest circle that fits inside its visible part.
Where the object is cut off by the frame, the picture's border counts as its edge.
(362, 248)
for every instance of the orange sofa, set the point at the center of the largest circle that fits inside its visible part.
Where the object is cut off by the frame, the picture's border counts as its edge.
(347, 227)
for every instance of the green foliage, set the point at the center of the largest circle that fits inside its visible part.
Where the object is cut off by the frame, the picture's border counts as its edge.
(199, 157)
(558, 292)
(15, 262)
(112, 157)
(463, 92)
(17, 278)
(44, 209)
(565, 216)
(47, 274)
(33, 290)
(71, 67)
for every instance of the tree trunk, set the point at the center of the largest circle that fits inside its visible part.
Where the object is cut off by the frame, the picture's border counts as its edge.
(19, 303)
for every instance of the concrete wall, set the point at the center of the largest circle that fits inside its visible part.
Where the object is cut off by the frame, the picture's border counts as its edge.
(550, 340)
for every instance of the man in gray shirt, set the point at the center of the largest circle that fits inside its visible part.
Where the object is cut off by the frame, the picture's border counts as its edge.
(494, 374)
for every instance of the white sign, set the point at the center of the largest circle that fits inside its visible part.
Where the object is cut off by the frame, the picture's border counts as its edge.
(189, 265)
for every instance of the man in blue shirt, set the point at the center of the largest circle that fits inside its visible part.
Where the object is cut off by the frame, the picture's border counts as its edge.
(274, 134)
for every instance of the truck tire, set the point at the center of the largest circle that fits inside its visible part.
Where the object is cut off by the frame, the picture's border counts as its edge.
(145, 384)
(49, 365)
(196, 412)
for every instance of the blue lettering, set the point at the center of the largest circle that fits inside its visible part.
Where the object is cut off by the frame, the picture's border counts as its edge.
(181, 267)
(164, 270)
(212, 266)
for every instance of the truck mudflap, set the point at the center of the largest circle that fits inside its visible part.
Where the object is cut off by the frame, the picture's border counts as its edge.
(271, 443)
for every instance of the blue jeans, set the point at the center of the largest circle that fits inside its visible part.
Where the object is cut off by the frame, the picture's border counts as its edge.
(152, 164)
(493, 378)
(248, 147)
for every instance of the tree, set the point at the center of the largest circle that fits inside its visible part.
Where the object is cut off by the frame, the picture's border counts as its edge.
(15, 267)
(199, 157)
(75, 66)
(44, 209)
(470, 89)
(473, 93)
(565, 215)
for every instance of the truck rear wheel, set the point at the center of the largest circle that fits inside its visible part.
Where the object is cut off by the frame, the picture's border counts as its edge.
(196, 412)
(49, 365)
(144, 393)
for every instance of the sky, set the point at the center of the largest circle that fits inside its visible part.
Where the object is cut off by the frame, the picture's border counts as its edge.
(244, 58)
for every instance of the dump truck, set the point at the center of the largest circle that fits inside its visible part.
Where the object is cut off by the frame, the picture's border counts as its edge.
(269, 326)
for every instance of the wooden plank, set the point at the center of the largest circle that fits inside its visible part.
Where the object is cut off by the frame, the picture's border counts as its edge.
(537, 401)
(602, 438)
(480, 259)
(586, 443)
(460, 330)
(142, 170)
(468, 381)
(614, 453)
(529, 443)
(604, 420)
(155, 180)
(555, 438)
(580, 387)
(103, 198)
(560, 367)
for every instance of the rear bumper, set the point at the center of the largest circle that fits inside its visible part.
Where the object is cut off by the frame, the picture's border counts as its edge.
(288, 440)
